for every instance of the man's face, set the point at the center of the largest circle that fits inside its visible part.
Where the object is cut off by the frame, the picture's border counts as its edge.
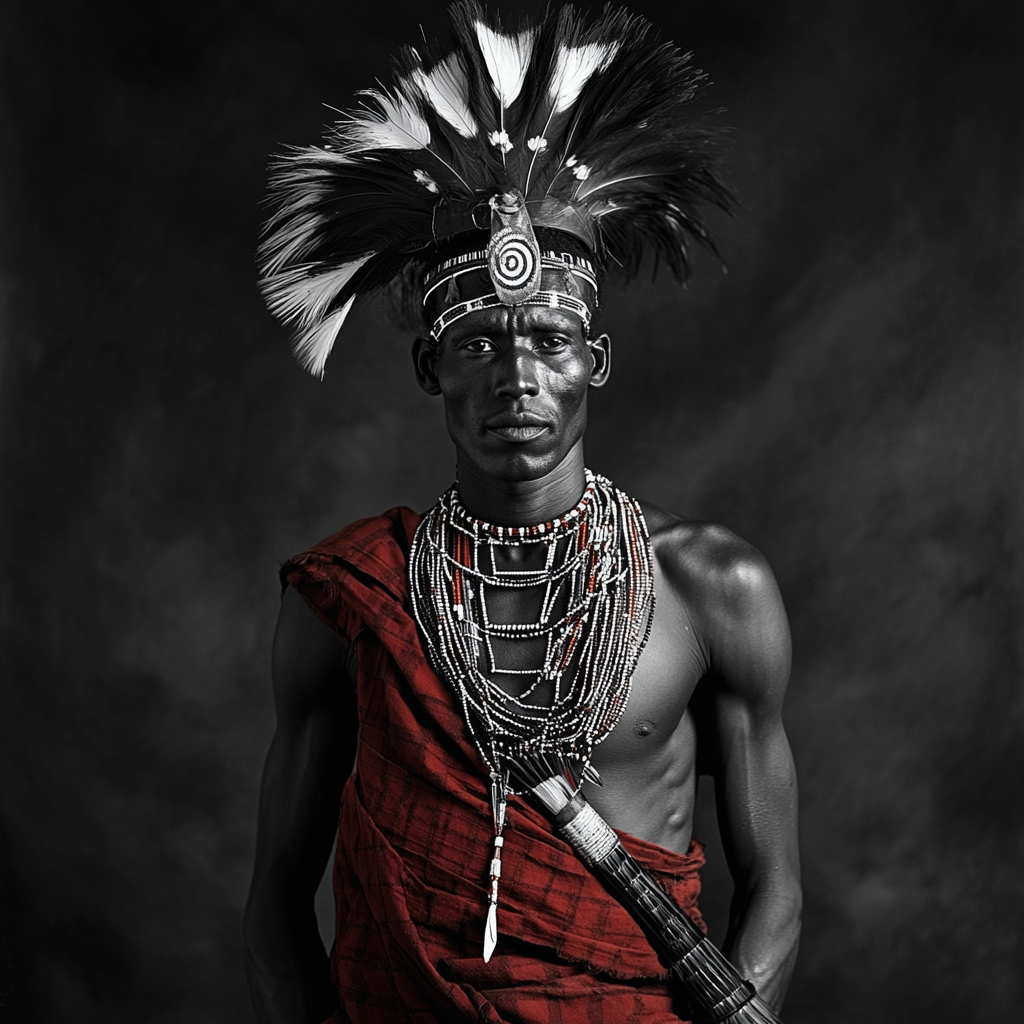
(514, 383)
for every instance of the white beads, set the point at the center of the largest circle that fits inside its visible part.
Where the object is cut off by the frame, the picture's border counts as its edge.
(604, 595)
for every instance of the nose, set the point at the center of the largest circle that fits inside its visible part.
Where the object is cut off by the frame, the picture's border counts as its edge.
(517, 374)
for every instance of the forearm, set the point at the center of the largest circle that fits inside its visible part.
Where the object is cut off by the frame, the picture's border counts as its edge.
(763, 937)
(287, 967)
(758, 808)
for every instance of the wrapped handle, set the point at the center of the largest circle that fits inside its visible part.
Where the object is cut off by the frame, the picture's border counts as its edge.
(716, 992)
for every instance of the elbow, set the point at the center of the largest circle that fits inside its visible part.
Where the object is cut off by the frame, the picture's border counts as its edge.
(777, 906)
(274, 915)
(262, 921)
(788, 916)
(789, 899)
(796, 913)
(252, 929)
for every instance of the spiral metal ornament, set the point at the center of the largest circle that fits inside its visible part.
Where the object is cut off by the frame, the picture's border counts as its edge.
(513, 261)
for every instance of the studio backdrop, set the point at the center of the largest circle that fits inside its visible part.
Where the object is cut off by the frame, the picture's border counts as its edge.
(846, 397)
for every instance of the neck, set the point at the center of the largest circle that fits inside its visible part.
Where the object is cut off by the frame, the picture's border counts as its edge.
(523, 502)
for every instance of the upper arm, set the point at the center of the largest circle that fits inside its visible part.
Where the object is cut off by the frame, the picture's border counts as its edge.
(746, 633)
(309, 664)
(311, 753)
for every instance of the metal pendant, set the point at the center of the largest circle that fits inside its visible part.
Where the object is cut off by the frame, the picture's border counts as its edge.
(499, 794)
(513, 255)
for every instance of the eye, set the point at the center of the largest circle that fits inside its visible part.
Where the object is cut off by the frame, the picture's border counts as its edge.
(478, 345)
(552, 342)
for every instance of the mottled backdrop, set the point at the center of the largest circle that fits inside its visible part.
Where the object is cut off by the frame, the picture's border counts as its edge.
(847, 398)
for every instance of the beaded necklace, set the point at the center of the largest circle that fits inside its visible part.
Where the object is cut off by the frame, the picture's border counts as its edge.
(596, 592)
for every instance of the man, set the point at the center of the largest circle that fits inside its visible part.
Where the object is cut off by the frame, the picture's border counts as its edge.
(518, 615)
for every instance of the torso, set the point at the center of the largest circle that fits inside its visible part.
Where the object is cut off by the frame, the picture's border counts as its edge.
(648, 762)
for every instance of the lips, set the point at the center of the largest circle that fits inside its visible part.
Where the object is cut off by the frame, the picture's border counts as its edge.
(517, 429)
(518, 435)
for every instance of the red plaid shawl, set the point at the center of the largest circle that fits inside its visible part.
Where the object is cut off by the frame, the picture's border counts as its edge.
(415, 835)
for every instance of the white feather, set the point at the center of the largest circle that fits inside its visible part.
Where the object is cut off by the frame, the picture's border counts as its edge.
(294, 296)
(298, 184)
(290, 242)
(446, 89)
(573, 68)
(400, 126)
(507, 58)
(295, 200)
(292, 174)
(313, 346)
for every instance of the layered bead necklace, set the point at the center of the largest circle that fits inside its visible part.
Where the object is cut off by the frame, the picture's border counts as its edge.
(596, 590)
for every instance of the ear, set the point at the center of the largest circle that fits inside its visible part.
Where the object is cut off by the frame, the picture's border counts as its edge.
(424, 359)
(601, 350)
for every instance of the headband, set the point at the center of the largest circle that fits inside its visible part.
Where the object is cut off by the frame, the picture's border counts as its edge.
(512, 268)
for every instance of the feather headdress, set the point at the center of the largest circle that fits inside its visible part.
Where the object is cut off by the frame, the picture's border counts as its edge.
(564, 125)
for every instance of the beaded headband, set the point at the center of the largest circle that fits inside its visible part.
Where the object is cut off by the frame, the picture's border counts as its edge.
(515, 264)
(550, 300)
(455, 267)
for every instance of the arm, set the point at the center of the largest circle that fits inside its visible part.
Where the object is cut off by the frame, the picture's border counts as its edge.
(747, 644)
(311, 754)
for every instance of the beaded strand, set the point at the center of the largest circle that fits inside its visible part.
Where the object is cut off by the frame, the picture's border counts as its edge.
(597, 560)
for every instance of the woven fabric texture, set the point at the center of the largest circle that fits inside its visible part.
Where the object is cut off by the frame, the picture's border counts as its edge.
(415, 840)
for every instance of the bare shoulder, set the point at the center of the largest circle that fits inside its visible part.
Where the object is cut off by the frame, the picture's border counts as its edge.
(708, 562)
(730, 595)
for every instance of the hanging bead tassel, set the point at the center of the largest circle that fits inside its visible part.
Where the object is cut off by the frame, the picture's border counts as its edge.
(499, 787)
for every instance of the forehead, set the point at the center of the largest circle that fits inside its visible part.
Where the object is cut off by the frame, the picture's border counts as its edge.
(509, 320)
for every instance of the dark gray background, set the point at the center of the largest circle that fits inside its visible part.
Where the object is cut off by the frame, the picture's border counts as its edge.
(847, 398)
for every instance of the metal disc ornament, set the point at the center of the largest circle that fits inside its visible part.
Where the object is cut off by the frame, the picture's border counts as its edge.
(514, 265)
(513, 256)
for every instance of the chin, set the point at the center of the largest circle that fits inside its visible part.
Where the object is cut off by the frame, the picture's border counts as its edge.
(518, 466)
(520, 463)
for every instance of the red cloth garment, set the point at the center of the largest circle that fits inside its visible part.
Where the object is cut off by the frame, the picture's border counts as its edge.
(415, 841)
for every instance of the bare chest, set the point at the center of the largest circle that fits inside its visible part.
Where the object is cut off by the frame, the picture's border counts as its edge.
(647, 762)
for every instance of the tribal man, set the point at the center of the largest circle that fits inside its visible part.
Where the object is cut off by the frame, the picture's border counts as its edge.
(486, 688)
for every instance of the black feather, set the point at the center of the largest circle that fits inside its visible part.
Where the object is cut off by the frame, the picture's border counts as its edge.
(627, 164)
